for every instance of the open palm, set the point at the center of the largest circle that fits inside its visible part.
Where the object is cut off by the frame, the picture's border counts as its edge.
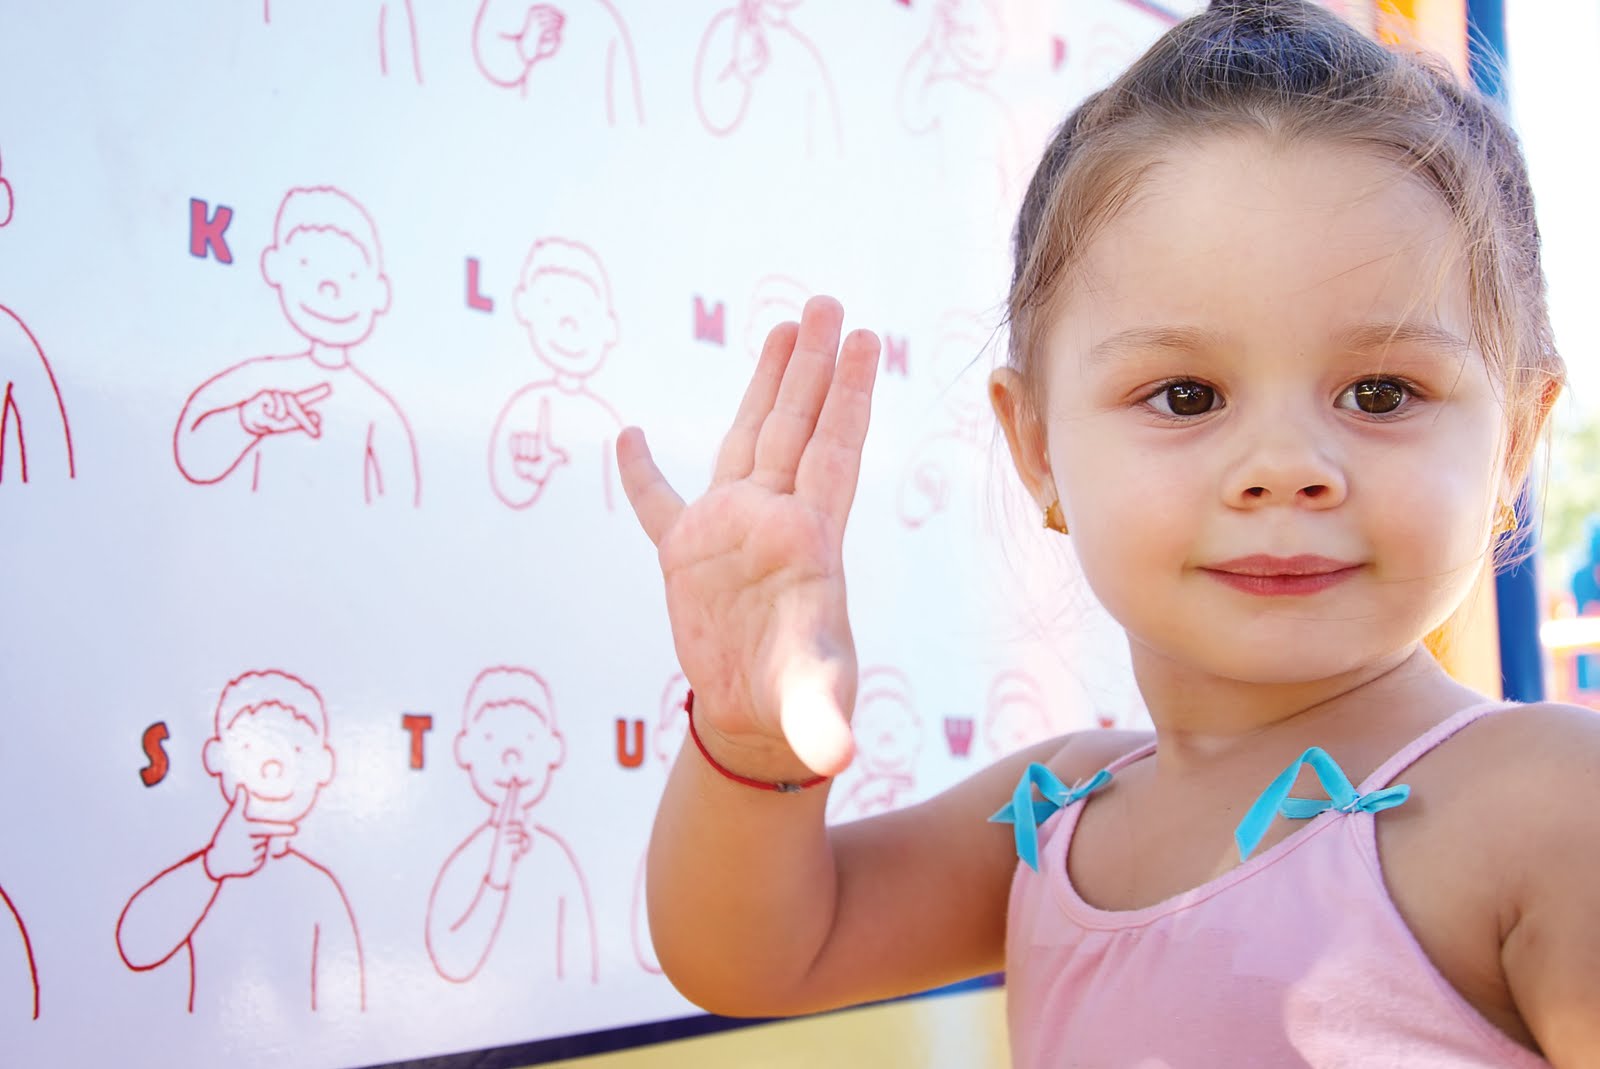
(753, 568)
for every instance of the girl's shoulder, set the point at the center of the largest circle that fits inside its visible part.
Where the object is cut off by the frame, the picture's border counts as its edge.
(1528, 781)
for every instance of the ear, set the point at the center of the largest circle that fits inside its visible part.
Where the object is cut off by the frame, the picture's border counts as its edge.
(325, 768)
(269, 265)
(387, 294)
(461, 757)
(613, 332)
(1024, 433)
(560, 748)
(211, 756)
(519, 303)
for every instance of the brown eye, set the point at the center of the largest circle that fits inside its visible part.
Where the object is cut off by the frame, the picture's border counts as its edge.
(1377, 397)
(1185, 399)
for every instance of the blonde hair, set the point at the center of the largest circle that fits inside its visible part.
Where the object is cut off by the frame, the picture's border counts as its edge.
(1291, 71)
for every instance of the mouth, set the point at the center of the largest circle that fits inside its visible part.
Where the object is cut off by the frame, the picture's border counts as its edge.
(326, 319)
(1268, 576)
(271, 797)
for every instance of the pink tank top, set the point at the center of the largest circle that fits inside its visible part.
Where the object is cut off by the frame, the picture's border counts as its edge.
(1297, 957)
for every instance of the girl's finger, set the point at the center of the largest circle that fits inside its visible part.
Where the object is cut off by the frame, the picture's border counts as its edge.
(738, 453)
(831, 464)
(654, 501)
(788, 426)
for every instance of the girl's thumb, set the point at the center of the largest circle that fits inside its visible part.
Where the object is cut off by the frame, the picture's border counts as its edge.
(812, 699)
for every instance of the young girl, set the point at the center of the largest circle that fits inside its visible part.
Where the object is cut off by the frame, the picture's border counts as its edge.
(1279, 359)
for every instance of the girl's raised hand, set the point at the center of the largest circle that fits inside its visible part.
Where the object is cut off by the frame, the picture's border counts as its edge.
(753, 569)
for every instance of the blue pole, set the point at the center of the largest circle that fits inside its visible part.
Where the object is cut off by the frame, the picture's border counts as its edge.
(1516, 588)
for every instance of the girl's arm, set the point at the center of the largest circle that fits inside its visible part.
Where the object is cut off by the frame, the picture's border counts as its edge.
(757, 909)
(1549, 836)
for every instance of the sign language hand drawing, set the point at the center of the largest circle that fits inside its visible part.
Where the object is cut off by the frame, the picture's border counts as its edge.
(248, 907)
(753, 60)
(514, 39)
(945, 94)
(30, 399)
(509, 747)
(536, 454)
(556, 433)
(311, 418)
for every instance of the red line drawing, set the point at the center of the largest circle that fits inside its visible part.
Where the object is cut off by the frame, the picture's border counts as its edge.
(514, 39)
(945, 467)
(753, 60)
(396, 25)
(28, 390)
(248, 908)
(311, 417)
(31, 389)
(776, 298)
(945, 94)
(889, 739)
(1016, 714)
(27, 956)
(510, 747)
(672, 726)
(557, 431)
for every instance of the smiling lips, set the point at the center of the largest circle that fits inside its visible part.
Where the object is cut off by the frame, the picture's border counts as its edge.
(1268, 576)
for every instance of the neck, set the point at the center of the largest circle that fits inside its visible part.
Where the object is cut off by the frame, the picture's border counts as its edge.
(329, 356)
(1205, 723)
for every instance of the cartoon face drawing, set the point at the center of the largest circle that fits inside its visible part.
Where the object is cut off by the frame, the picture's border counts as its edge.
(888, 731)
(277, 755)
(506, 743)
(569, 320)
(331, 289)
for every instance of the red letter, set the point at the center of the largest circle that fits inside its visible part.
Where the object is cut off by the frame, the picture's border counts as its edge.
(709, 326)
(156, 770)
(1059, 57)
(209, 233)
(958, 733)
(418, 724)
(895, 355)
(630, 758)
(475, 299)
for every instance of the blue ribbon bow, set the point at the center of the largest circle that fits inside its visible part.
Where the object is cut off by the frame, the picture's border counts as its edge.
(1027, 813)
(1341, 796)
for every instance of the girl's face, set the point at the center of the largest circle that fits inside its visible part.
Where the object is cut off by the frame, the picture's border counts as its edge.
(1258, 485)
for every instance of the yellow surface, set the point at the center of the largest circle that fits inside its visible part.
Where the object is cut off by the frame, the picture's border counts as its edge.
(965, 1031)
(1438, 26)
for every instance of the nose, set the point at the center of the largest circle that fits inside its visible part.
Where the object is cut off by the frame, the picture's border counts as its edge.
(1288, 463)
(511, 756)
(272, 769)
(328, 288)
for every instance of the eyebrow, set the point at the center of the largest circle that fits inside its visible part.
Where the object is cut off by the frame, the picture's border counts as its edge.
(1362, 337)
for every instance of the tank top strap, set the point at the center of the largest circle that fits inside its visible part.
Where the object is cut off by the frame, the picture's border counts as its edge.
(1130, 757)
(1429, 739)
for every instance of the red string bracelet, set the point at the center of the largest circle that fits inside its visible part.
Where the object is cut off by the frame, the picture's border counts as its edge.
(782, 788)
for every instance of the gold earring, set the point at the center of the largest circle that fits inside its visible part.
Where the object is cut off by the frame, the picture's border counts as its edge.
(1505, 519)
(1053, 518)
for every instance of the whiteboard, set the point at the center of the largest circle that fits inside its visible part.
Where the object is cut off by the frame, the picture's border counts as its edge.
(337, 682)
